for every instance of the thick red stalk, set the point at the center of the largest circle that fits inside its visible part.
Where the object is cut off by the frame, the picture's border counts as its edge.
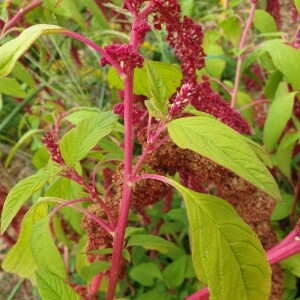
(19, 15)
(240, 56)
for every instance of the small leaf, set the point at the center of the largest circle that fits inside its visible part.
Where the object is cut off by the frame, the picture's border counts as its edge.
(145, 273)
(88, 272)
(274, 126)
(227, 254)
(85, 136)
(174, 272)
(223, 145)
(19, 259)
(232, 29)
(21, 192)
(157, 89)
(284, 155)
(155, 243)
(264, 22)
(283, 208)
(21, 73)
(52, 287)
(11, 87)
(13, 50)
(45, 252)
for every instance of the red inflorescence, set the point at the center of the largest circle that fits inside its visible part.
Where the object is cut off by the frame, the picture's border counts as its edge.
(185, 37)
(182, 99)
(137, 113)
(141, 29)
(53, 149)
(124, 54)
(208, 101)
(273, 8)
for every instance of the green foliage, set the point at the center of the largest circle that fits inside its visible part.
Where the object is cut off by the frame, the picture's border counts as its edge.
(11, 87)
(88, 272)
(75, 145)
(19, 259)
(21, 192)
(264, 22)
(223, 248)
(13, 50)
(283, 107)
(52, 287)
(218, 142)
(158, 103)
(145, 273)
(169, 73)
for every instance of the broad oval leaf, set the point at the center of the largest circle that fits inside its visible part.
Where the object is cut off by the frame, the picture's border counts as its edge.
(145, 273)
(223, 145)
(19, 259)
(11, 87)
(19, 194)
(85, 136)
(14, 49)
(52, 287)
(280, 112)
(227, 254)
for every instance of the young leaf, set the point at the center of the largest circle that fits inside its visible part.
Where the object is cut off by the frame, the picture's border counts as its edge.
(175, 271)
(52, 287)
(145, 273)
(264, 22)
(85, 136)
(13, 50)
(227, 254)
(157, 90)
(223, 145)
(19, 259)
(19, 194)
(156, 243)
(88, 272)
(280, 112)
(11, 87)
(45, 253)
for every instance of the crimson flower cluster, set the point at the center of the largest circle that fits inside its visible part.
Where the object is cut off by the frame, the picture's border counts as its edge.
(137, 112)
(124, 54)
(53, 149)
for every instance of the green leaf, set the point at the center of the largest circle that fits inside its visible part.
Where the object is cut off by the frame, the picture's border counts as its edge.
(155, 243)
(85, 136)
(11, 87)
(68, 8)
(260, 152)
(284, 57)
(297, 4)
(283, 208)
(19, 259)
(170, 74)
(21, 73)
(280, 112)
(23, 190)
(27, 135)
(242, 100)
(227, 254)
(97, 14)
(88, 272)
(145, 273)
(264, 22)
(52, 287)
(45, 252)
(220, 143)
(232, 29)
(13, 50)
(284, 155)
(174, 272)
(272, 84)
(157, 89)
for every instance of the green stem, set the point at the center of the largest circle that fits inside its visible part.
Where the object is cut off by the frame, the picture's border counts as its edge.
(16, 289)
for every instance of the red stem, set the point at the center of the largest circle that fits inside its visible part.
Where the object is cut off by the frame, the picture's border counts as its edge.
(94, 287)
(19, 15)
(240, 56)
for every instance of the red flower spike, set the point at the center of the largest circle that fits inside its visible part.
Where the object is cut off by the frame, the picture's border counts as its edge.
(53, 148)
(138, 112)
(124, 54)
